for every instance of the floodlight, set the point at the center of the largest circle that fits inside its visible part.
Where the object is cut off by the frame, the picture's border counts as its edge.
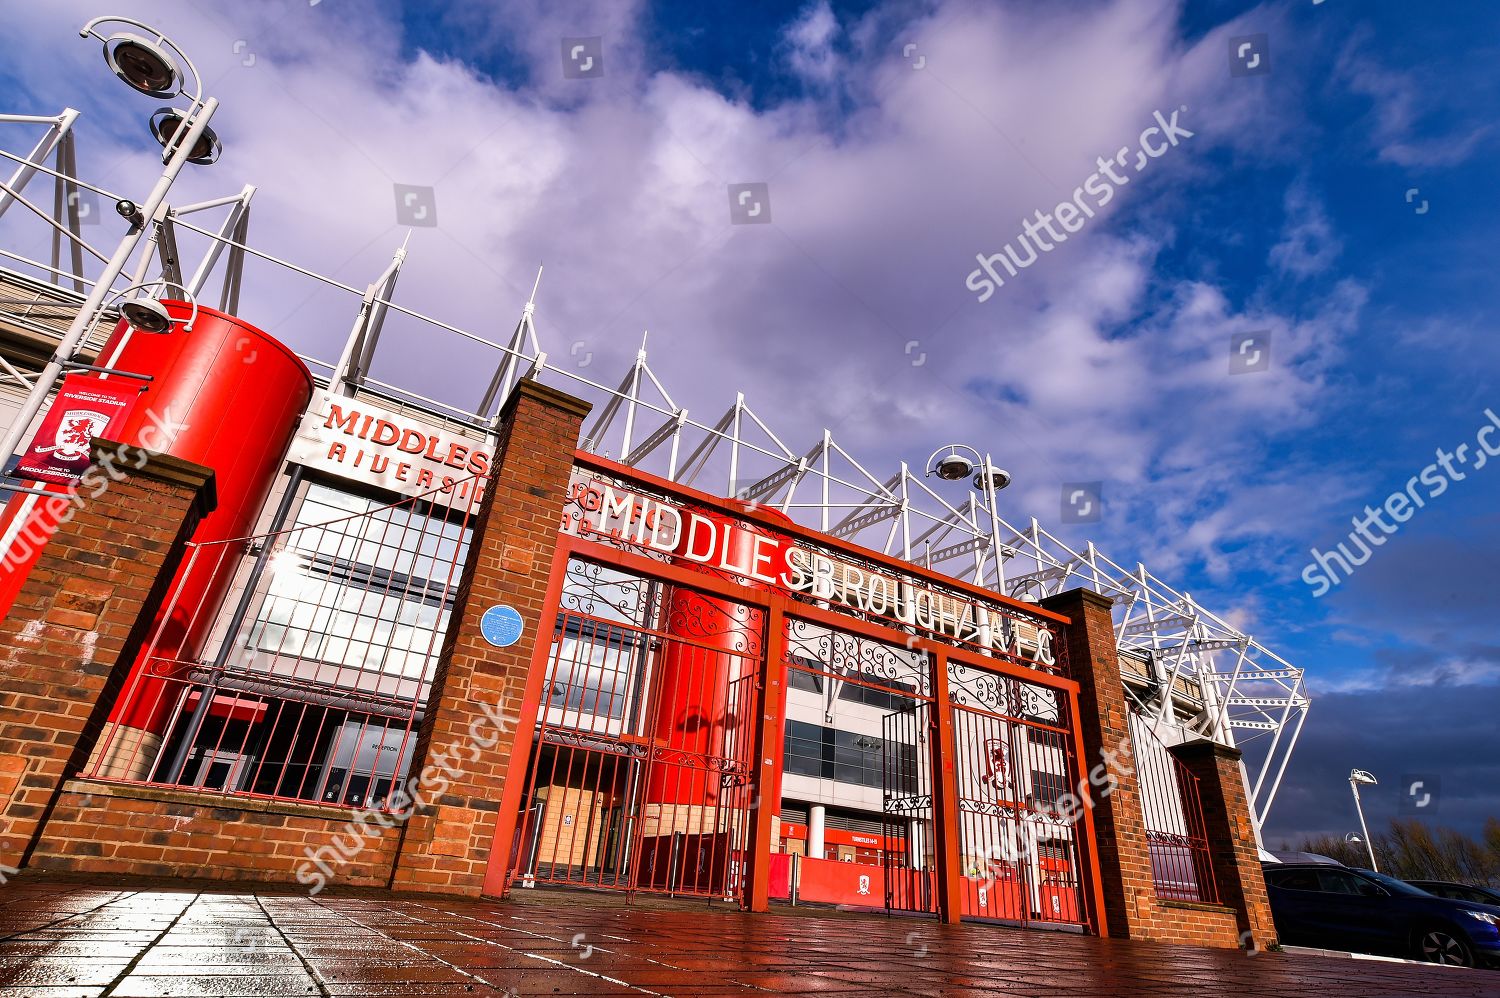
(997, 478)
(164, 125)
(953, 467)
(147, 315)
(143, 64)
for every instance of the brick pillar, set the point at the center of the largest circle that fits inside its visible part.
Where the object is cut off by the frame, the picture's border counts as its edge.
(80, 620)
(462, 757)
(1233, 852)
(1104, 723)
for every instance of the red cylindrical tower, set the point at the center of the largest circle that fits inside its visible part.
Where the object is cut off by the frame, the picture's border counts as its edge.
(227, 396)
(720, 644)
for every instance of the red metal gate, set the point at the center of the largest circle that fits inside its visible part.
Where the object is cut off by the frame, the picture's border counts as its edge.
(691, 688)
(1015, 772)
(641, 775)
(906, 774)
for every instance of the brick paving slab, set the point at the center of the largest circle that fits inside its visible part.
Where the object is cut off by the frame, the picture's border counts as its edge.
(74, 939)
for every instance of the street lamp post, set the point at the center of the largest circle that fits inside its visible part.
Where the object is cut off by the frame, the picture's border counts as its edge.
(149, 64)
(951, 466)
(1356, 777)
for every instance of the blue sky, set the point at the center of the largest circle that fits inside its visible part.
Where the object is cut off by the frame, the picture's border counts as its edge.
(1107, 360)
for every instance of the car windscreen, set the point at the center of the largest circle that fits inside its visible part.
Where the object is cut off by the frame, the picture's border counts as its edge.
(1393, 885)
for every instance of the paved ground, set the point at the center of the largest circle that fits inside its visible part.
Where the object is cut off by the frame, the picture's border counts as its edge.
(59, 940)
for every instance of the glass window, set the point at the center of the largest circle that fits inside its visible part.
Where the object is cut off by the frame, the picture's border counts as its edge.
(807, 682)
(1295, 880)
(887, 697)
(846, 756)
(359, 596)
(1338, 882)
(1047, 788)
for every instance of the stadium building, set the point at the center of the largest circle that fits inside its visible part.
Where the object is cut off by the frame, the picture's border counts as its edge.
(270, 618)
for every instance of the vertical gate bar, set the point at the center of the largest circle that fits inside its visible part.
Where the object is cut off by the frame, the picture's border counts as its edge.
(944, 794)
(766, 763)
(657, 615)
(595, 792)
(1088, 861)
(1024, 762)
(525, 740)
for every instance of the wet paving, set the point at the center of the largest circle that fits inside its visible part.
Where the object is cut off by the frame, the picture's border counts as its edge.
(60, 940)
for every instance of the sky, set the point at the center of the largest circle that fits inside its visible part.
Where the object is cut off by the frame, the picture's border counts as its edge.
(1272, 321)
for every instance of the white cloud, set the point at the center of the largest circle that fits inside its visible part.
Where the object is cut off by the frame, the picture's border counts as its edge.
(1091, 368)
(1396, 103)
(810, 44)
(1308, 245)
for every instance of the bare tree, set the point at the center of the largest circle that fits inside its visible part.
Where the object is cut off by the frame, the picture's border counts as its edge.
(1410, 850)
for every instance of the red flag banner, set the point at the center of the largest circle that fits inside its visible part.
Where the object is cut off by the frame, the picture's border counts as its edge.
(86, 407)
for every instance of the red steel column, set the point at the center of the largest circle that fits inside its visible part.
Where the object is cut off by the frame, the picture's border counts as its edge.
(696, 678)
(945, 796)
(770, 745)
(227, 396)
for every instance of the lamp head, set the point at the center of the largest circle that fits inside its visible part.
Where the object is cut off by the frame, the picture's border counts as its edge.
(996, 478)
(953, 467)
(1360, 776)
(144, 65)
(164, 125)
(147, 315)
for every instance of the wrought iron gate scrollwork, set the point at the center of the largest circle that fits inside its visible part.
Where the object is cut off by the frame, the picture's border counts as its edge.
(591, 589)
(843, 653)
(692, 616)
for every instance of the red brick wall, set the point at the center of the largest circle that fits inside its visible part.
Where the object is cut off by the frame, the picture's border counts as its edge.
(1104, 723)
(1131, 907)
(78, 622)
(1182, 922)
(447, 848)
(1233, 850)
(104, 828)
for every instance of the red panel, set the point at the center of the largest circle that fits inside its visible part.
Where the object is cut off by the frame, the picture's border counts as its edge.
(833, 882)
(781, 875)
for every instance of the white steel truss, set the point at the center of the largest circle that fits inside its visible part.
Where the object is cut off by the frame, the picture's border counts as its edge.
(1189, 666)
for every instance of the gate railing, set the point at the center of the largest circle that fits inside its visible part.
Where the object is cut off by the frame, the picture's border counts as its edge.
(1176, 834)
(1014, 764)
(307, 681)
(641, 774)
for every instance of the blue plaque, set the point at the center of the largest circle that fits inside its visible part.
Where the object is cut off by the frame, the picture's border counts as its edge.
(501, 626)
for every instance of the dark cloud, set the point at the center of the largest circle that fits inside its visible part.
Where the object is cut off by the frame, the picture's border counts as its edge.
(1446, 736)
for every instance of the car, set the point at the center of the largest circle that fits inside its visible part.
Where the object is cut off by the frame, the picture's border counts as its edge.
(1303, 857)
(1340, 907)
(1459, 892)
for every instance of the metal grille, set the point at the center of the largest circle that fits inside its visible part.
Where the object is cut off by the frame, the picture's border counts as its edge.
(641, 778)
(1014, 768)
(910, 883)
(1175, 832)
(862, 686)
(321, 669)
